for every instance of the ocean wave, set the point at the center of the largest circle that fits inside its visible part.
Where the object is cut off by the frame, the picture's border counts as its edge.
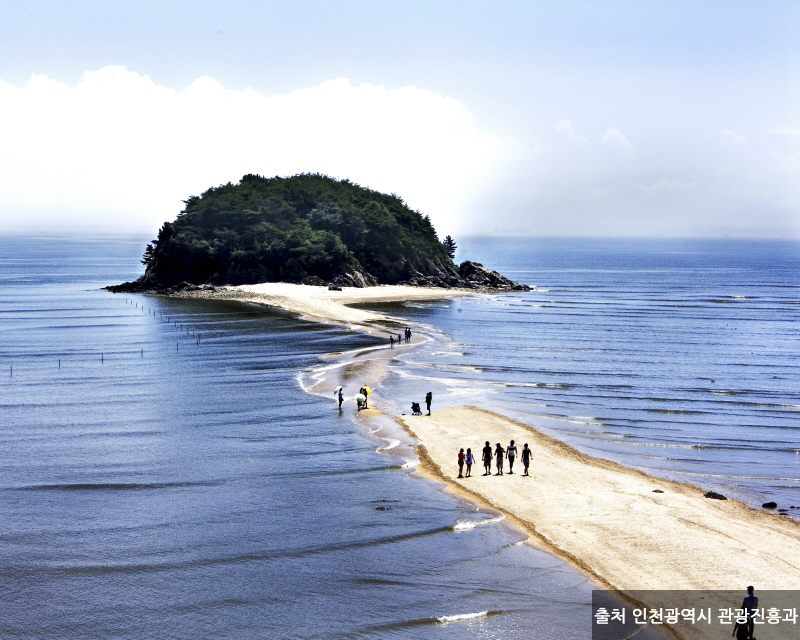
(390, 445)
(463, 617)
(468, 525)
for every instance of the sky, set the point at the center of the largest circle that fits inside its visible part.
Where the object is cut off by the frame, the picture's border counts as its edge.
(599, 118)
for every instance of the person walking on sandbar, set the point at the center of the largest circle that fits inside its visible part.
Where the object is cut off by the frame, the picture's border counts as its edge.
(499, 454)
(749, 605)
(341, 398)
(470, 459)
(461, 459)
(487, 459)
(526, 458)
(428, 400)
(511, 453)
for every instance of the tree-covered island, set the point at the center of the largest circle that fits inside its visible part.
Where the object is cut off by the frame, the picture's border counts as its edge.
(309, 229)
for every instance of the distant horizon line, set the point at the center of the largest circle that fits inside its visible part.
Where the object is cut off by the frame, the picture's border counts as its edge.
(137, 235)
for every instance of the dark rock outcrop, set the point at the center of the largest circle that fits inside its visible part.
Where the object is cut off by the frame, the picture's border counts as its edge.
(770, 505)
(476, 276)
(356, 278)
(469, 275)
(714, 495)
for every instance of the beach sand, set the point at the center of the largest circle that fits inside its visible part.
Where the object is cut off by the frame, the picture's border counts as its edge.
(320, 303)
(605, 518)
(600, 516)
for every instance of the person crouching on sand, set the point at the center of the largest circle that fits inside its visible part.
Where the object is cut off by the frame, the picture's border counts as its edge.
(511, 453)
(487, 459)
(461, 458)
(470, 459)
(526, 458)
(498, 454)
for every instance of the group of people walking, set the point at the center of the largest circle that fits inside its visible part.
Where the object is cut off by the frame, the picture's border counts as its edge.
(406, 332)
(498, 455)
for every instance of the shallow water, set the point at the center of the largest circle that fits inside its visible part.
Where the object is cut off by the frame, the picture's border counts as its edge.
(169, 478)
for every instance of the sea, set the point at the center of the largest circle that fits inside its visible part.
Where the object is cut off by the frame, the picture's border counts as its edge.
(172, 468)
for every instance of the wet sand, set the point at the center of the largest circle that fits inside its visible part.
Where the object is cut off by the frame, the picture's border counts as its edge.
(320, 303)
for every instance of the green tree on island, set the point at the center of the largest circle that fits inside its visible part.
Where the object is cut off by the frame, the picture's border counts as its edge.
(451, 246)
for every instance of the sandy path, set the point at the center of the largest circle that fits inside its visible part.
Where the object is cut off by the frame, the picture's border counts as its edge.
(605, 519)
(321, 303)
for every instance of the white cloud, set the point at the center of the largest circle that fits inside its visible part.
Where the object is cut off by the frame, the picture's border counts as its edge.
(614, 136)
(565, 127)
(119, 151)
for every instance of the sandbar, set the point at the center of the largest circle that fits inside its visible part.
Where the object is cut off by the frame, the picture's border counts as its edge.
(607, 520)
(626, 529)
(323, 304)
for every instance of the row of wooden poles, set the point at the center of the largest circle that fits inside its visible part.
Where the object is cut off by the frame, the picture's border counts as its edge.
(174, 322)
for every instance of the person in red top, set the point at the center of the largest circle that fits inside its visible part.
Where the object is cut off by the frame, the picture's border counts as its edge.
(461, 458)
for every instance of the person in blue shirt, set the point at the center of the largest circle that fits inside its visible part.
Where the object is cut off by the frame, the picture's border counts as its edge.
(750, 604)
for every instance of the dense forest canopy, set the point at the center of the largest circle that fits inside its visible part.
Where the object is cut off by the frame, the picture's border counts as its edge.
(286, 229)
(307, 228)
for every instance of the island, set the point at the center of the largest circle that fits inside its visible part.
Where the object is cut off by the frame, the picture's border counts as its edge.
(306, 229)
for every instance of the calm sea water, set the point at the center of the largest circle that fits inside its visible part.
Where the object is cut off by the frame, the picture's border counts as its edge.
(679, 357)
(154, 486)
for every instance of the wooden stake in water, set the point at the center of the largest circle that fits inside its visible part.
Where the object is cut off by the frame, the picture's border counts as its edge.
(101, 357)
(142, 353)
(59, 363)
(176, 346)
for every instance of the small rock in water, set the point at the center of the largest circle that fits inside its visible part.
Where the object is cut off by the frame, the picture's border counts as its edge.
(657, 491)
(714, 495)
(769, 505)
(383, 508)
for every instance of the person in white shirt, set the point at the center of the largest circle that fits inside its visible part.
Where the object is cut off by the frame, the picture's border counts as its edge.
(511, 453)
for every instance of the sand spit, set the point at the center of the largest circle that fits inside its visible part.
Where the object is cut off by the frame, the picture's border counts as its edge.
(605, 518)
(322, 303)
(602, 517)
